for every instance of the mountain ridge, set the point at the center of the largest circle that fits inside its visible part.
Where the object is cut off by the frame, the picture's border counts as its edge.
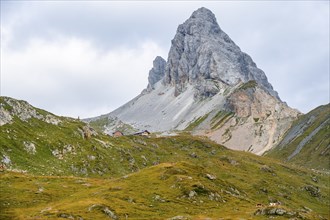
(307, 142)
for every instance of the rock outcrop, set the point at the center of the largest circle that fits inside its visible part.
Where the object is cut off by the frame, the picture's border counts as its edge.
(252, 120)
(156, 73)
(9, 108)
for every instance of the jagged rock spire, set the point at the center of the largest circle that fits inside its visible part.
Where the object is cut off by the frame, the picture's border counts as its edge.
(157, 72)
(204, 56)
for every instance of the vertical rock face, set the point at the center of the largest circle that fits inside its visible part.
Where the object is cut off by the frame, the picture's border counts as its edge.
(257, 121)
(157, 72)
(204, 56)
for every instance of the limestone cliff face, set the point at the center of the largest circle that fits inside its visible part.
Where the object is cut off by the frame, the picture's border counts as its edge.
(257, 121)
(208, 86)
(203, 55)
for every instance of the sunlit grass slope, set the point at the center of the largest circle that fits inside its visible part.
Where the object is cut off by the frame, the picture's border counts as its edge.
(68, 171)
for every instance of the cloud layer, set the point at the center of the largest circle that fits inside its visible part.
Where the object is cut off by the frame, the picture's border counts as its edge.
(71, 74)
(87, 58)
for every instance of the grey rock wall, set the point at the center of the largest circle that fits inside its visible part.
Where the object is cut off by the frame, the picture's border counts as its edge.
(157, 72)
(202, 52)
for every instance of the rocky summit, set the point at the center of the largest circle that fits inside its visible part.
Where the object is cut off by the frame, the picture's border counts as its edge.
(208, 87)
(204, 56)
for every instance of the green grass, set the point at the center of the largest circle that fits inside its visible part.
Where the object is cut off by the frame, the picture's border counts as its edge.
(100, 123)
(162, 191)
(248, 85)
(221, 118)
(144, 178)
(315, 153)
(174, 167)
(196, 123)
(104, 121)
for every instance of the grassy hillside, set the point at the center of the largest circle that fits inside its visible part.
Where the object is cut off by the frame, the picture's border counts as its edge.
(307, 142)
(225, 184)
(109, 125)
(65, 170)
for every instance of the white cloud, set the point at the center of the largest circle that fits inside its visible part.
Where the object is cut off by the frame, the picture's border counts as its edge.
(72, 77)
(86, 58)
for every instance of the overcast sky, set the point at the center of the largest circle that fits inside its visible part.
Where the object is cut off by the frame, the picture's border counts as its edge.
(88, 58)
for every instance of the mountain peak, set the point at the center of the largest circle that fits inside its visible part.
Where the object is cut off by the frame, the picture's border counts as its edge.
(208, 86)
(204, 14)
(205, 57)
(202, 22)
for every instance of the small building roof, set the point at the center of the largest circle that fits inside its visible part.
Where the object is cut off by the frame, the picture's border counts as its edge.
(142, 132)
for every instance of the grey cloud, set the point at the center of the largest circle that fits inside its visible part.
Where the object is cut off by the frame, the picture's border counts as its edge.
(288, 40)
(107, 24)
